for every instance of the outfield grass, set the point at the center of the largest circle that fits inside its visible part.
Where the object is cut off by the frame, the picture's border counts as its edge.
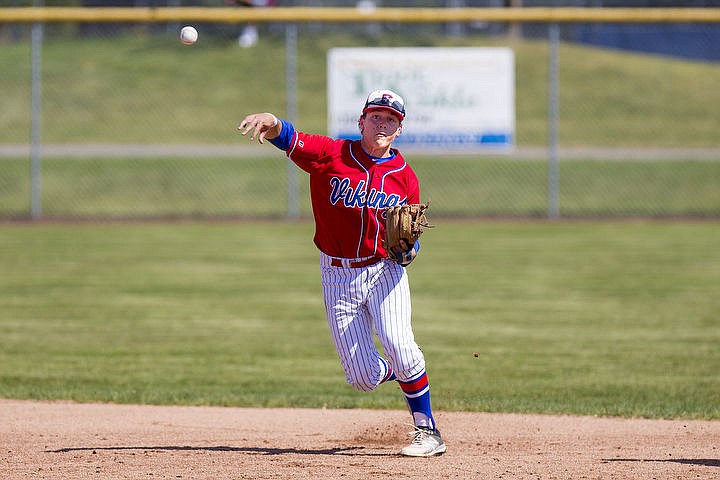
(144, 88)
(150, 89)
(251, 186)
(600, 318)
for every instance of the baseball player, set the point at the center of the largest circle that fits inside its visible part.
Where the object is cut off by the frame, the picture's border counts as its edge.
(351, 183)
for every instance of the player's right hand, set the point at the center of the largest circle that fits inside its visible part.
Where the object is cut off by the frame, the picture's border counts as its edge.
(260, 124)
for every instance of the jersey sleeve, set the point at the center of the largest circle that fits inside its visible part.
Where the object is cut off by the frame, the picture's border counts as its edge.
(287, 133)
(313, 153)
(413, 187)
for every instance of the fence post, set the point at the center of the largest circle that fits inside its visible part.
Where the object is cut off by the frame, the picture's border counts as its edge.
(291, 33)
(35, 121)
(553, 173)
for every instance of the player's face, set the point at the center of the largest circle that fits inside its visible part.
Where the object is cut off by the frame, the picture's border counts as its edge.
(379, 128)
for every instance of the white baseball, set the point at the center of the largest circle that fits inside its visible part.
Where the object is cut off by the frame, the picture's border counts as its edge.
(188, 35)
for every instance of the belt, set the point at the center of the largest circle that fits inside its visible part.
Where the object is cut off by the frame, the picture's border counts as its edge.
(336, 262)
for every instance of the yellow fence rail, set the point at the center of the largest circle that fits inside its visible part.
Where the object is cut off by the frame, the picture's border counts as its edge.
(355, 15)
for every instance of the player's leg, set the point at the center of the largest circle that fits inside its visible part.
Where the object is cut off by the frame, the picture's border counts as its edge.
(390, 306)
(344, 293)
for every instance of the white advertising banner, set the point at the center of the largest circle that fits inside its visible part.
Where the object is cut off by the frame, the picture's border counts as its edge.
(456, 99)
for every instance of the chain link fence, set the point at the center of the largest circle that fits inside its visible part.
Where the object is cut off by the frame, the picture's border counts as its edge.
(134, 125)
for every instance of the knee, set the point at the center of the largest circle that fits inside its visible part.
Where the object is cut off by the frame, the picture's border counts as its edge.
(364, 378)
(361, 383)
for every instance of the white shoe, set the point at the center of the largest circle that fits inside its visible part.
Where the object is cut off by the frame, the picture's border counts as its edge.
(426, 443)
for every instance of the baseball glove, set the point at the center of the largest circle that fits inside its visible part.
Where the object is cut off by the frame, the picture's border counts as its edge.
(403, 226)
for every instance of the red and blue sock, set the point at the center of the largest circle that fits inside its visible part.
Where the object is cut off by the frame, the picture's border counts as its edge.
(417, 394)
(389, 373)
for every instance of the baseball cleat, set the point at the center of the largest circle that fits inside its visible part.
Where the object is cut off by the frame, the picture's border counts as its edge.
(426, 443)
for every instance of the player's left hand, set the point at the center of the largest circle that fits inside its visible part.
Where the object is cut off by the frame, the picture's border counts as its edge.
(261, 124)
(404, 255)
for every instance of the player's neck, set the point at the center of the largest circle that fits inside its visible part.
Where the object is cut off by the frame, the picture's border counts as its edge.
(376, 152)
(388, 156)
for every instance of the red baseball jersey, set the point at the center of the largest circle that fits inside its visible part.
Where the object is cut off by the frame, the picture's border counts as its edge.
(349, 192)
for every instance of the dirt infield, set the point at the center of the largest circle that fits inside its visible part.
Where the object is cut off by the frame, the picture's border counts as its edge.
(61, 440)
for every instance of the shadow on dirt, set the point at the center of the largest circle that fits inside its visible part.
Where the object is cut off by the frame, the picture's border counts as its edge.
(350, 451)
(706, 462)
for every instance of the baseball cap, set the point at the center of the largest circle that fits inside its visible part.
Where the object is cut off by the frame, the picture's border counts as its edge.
(385, 99)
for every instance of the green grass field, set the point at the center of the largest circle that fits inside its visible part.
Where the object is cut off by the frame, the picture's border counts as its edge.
(144, 88)
(150, 89)
(589, 317)
(600, 318)
(256, 187)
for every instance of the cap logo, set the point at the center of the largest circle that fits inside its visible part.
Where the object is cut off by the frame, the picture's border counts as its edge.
(386, 99)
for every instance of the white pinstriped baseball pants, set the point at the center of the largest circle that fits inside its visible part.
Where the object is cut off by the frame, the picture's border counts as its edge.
(361, 302)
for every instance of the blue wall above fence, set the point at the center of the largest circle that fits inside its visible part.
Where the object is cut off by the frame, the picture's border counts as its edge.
(697, 41)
